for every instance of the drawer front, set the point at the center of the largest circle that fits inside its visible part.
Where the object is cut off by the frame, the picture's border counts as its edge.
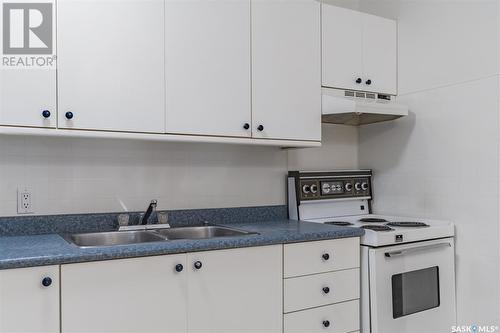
(321, 256)
(337, 318)
(321, 289)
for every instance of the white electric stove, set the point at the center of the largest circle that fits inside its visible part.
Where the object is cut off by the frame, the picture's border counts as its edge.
(407, 263)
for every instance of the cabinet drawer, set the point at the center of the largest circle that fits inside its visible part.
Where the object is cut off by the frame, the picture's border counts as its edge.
(320, 289)
(340, 318)
(321, 256)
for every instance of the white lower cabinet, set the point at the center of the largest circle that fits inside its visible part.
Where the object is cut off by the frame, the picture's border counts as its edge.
(129, 295)
(320, 289)
(238, 290)
(336, 318)
(234, 290)
(322, 286)
(29, 300)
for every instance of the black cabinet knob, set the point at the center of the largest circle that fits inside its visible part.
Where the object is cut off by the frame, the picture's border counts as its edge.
(325, 256)
(46, 282)
(69, 115)
(326, 290)
(198, 264)
(260, 128)
(246, 126)
(326, 323)
(46, 113)
(179, 268)
(358, 80)
(368, 82)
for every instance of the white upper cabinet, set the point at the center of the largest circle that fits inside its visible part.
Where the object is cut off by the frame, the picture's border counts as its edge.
(380, 54)
(286, 69)
(28, 97)
(111, 65)
(342, 47)
(359, 51)
(28, 81)
(237, 290)
(29, 300)
(207, 57)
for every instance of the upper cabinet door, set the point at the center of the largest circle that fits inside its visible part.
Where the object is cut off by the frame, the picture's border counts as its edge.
(236, 290)
(28, 97)
(286, 69)
(342, 48)
(207, 57)
(379, 54)
(28, 80)
(29, 300)
(111, 65)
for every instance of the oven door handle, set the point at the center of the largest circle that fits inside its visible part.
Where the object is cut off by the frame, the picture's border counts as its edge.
(416, 249)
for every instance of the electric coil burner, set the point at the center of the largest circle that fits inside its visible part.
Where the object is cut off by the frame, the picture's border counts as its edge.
(407, 224)
(377, 227)
(339, 223)
(373, 220)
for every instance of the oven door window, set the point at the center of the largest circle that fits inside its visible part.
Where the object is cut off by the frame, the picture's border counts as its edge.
(415, 291)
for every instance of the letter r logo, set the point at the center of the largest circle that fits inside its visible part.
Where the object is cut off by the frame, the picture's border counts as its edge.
(27, 28)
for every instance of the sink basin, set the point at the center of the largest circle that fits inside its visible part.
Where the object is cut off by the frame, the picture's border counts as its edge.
(113, 238)
(201, 232)
(98, 239)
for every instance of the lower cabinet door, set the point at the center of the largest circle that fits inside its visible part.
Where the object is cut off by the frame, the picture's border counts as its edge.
(237, 290)
(337, 318)
(29, 300)
(130, 295)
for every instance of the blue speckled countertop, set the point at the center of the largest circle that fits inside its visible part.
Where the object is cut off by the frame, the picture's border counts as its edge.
(41, 245)
(51, 249)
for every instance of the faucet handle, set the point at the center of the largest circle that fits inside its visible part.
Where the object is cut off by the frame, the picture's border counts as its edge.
(123, 220)
(162, 217)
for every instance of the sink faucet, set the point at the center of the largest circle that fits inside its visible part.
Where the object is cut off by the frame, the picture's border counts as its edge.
(149, 211)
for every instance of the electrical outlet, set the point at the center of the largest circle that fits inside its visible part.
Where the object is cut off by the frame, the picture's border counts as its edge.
(24, 201)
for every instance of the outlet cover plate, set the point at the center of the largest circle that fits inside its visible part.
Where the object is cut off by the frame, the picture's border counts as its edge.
(24, 200)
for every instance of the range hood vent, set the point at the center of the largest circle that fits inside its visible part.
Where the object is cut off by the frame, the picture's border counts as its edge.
(355, 108)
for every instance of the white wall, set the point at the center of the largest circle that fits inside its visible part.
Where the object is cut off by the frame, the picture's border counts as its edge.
(339, 151)
(91, 175)
(443, 160)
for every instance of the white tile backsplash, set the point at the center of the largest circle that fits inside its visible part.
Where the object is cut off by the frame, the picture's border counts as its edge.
(94, 175)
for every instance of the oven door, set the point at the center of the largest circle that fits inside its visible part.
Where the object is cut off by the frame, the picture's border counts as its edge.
(412, 287)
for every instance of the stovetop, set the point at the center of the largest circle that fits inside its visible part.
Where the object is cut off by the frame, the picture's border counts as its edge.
(382, 230)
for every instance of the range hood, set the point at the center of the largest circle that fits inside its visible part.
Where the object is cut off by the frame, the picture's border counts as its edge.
(355, 108)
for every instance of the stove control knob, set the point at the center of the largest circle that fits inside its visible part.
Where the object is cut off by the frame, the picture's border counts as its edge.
(348, 187)
(357, 186)
(306, 189)
(326, 188)
(314, 188)
(364, 186)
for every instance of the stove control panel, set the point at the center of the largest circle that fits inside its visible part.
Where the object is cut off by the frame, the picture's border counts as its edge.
(332, 185)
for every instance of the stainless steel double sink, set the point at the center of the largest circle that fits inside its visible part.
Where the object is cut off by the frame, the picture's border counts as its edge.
(112, 238)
